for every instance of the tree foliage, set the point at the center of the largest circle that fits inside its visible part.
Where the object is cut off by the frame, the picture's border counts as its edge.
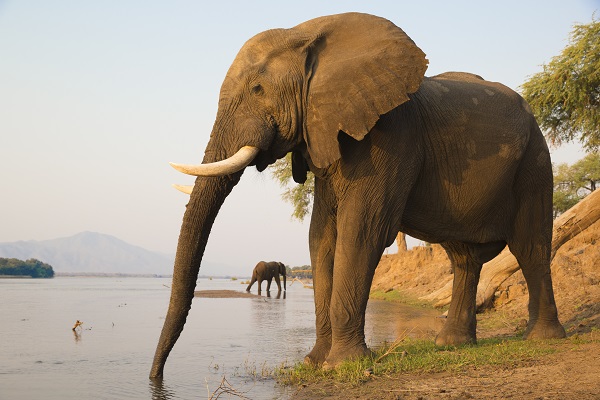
(565, 96)
(574, 182)
(301, 272)
(32, 267)
(300, 196)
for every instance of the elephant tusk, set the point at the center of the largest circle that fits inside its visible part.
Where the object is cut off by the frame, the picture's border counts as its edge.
(187, 189)
(235, 163)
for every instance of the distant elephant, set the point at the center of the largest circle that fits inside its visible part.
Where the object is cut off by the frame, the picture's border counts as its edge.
(266, 271)
(451, 159)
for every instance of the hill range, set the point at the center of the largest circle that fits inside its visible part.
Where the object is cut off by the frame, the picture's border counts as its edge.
(90, 252)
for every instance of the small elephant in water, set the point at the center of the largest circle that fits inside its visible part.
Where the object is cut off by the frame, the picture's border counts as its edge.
(267, 271)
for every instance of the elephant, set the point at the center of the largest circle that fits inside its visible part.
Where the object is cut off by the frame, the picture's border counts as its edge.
(451, 159)
(267, 271)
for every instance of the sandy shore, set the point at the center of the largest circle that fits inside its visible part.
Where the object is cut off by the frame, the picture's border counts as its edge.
(223, 294)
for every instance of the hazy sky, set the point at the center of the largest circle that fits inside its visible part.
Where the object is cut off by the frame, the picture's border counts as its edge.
(96, 97)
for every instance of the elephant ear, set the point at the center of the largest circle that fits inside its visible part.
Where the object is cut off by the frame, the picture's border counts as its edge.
(359, 68)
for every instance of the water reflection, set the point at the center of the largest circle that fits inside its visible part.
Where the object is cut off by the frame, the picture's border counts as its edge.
(159, 391)
(76, 336)
(387, 321)
(278, 294)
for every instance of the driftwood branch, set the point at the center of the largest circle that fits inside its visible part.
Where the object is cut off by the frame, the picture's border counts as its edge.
(566, 227)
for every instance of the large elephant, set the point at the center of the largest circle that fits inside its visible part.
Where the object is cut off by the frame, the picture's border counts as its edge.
(450, 159)
(266, 271)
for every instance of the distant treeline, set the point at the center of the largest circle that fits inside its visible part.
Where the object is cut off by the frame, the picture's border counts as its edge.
(32, 267)
(304, 271)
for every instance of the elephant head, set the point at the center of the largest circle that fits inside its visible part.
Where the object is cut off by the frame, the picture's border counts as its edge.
(282, 272)
(289, 90)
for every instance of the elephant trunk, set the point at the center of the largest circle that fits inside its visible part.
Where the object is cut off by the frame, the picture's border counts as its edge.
(205, 201)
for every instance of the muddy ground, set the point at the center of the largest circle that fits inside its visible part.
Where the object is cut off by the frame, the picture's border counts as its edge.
(572, 372)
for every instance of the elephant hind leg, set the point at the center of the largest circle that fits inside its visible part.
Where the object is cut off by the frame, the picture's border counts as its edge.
(461, 323)
(269, 284)
(543, 313)
(533, 256)
(531, 245)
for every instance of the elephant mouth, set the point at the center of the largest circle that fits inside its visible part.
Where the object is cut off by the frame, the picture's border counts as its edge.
(262, 165)
(263, 160)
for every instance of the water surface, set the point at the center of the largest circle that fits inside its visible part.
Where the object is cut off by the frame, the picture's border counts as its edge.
(42, 358)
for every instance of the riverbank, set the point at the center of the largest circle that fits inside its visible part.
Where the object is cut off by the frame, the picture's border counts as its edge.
(570, 370)
(554, 369)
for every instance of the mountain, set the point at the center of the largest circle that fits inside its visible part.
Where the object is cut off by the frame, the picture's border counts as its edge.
(90, 252)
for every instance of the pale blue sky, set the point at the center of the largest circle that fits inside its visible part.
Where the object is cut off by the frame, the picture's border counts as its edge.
(97, 97)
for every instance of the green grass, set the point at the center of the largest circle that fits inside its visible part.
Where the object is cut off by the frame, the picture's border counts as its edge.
(413, 356)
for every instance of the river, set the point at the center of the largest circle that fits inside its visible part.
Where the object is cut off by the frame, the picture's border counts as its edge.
(109, 357)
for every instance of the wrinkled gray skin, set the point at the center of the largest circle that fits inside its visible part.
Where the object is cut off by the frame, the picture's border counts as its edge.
(266, 271)
(451, 159)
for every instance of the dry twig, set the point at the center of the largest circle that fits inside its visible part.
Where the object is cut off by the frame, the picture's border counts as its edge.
(225, 388)
(78, 324)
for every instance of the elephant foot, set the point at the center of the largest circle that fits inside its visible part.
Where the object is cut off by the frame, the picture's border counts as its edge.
(338, 356)
(318, 354)
(451, 335)
(545, 330)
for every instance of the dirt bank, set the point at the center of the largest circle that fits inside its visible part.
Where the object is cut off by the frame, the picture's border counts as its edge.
(575, 274)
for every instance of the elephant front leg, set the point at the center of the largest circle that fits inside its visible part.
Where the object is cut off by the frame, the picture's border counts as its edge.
(322, 282)
(322, 238)
(461, 323)
(354, 268)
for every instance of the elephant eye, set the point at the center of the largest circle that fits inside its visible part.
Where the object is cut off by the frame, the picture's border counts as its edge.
(257, 89)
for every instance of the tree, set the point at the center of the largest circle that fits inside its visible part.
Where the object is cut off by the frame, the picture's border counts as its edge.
(573, 183)
(565, 96)
(32, 267)
(300, 196)
(586, 173)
